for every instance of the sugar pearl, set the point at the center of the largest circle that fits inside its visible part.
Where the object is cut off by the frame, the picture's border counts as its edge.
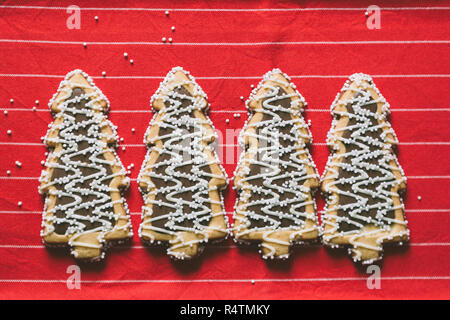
(125, 55)
(9, 132)
(8, 172)
(34, 109)
(42, 162)
(96, 18)
(85, 44)
(131, 61)
(19, 164)
(19, 203)
(170, 40)
(133, 130)
(11, 101)
(123, 148)
(5, 112)
(163, 39)
(419, 198)
(242, 98)
(37, 102)
(167, 13)
(227, 121)
(366, 13)
(104, 73)
(173, 28)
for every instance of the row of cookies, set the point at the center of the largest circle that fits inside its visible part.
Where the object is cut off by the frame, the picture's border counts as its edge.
(181, 179)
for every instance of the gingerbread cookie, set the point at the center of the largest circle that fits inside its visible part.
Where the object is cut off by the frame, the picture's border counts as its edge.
(363, 180)
(181, 178)
(276, 177)
(83, 177)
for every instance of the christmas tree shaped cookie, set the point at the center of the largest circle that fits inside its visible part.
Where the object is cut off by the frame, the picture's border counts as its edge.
(276, 177)
(181, 178)
(363, 180)
(83, 177)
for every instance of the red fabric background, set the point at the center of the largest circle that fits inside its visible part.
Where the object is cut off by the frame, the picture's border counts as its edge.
(414, 78)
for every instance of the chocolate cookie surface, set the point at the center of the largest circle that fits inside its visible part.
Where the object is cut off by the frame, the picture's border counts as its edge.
(83, 179)
(363, 180)
(181, 178)
(276, 177)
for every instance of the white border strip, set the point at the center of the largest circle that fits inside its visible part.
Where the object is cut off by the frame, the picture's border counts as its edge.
(52, 281)
(312, 76)
(225, 9)
(226, 44)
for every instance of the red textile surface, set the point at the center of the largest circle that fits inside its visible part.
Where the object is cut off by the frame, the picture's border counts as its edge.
(414, 78)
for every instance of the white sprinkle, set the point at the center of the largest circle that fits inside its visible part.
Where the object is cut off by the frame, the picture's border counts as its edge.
(125, 55)
(19, 164)
(173, 28)
(5, 112)
(242, 98)
(131, 61)
(252, 86)
(123, 149)
(42, 162)
(37, 102)
(104, 73)
(133, 130)
(167, 13)
(85, 44)
(8, 172)
(227, 121)
(163, 39)
(19, 203)
(170, 40)
(9, 132)
(11, 101)
(96, 18)
(253, 281)
(419, 198)
(366, 13)
(238, 115)
(34, 109)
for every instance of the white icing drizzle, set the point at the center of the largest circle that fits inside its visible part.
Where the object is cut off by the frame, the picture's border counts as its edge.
(185, 145)
(96, 197)
(364, 151)
(269, 135)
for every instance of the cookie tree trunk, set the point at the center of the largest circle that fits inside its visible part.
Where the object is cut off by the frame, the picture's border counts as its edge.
(83, 177)
(276, 177)
(181, 178)
(363, 179)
